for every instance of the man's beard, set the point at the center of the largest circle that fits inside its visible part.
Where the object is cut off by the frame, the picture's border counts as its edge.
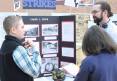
(97, 20)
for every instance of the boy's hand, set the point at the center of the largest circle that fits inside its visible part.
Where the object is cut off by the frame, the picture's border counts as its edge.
(27, 43)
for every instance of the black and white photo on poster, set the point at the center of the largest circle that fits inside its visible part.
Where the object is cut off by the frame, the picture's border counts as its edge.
(49, 29)
(49, 47)
(31, 30)
(49, 64)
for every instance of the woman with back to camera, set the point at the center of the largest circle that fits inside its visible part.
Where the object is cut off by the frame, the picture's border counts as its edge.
(101, 61)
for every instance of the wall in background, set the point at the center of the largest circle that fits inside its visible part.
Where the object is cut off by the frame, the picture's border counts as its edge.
(7, 6)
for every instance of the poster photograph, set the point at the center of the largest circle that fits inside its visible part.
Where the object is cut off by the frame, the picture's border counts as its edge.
(31, 30)
(48, 64)
(49, 47)
(49, 29)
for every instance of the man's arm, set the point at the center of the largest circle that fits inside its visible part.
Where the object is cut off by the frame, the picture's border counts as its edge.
(24, 62)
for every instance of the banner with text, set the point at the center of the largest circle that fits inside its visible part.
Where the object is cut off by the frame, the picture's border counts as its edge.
(39, 4)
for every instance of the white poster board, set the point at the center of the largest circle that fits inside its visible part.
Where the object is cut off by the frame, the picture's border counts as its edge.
(68, 31)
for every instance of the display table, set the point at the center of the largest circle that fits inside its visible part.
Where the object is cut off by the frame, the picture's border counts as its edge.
(50, 79)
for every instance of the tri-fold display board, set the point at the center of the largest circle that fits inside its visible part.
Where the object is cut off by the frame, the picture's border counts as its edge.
(55, 38)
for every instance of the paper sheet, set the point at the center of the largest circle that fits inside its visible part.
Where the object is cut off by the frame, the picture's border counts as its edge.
(71, 69)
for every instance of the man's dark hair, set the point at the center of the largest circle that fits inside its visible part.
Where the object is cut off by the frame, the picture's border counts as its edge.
(97, 40)
(105, 6)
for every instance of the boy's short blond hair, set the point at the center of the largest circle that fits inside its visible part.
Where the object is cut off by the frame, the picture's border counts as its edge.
(10, 21)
